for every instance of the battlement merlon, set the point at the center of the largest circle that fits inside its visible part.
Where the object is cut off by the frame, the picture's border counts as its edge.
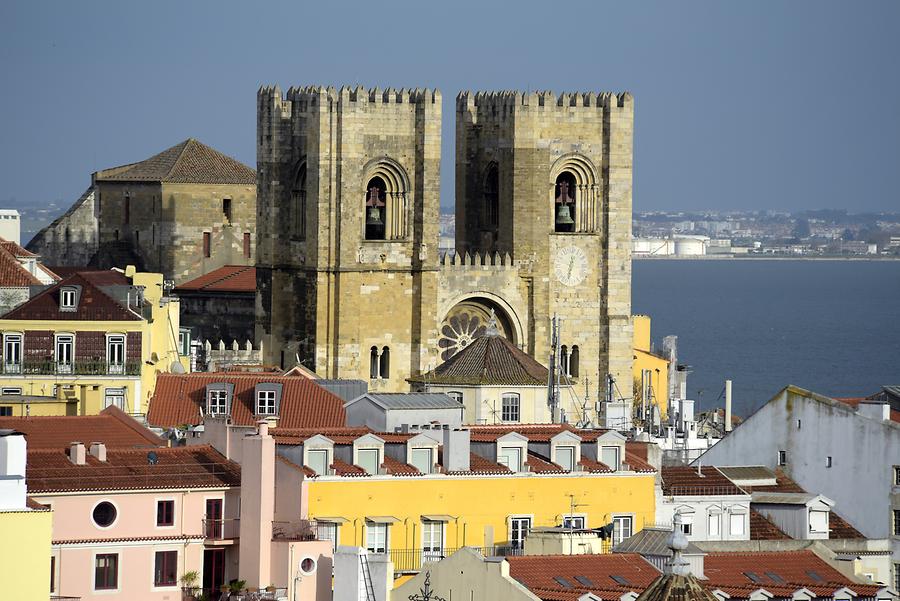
(315, 96)
(508, 99)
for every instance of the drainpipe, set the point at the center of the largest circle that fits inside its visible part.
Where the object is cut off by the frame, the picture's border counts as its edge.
(728, 405)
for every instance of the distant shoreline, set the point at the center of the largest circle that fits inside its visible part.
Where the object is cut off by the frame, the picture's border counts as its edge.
(754, 258)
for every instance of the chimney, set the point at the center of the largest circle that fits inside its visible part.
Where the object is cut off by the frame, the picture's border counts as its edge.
(76, 453)
(98, 450)
(457, 444)
(728, 405)
(257, 506)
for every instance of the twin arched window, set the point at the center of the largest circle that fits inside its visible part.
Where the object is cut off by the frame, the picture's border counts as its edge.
(376, 209)
(568, 360)
(385, 205)
(564, 217)
(379, 363)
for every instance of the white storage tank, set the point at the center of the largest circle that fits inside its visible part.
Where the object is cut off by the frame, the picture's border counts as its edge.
(690, 246)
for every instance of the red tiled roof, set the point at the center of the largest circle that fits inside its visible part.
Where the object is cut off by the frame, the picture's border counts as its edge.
(16, 250)
(594, 467)
(728, 572)
(637, 464)
(133, 539)
(855, 401)
(178, 399)
(685, 481)
(761, 528)
(398, 468)
(539, 465)
(342, 468)
(533, 432)
(478, 465)
(129, 469)
(32, 504)
(539, 572)
(112, 426)
(188, 162)
(12, 274)
(230, 278)
(93, 305)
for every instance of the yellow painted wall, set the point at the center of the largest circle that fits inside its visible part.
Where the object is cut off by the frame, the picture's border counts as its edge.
(25, 553)
(641, 325)
(644, 359)
(477, 502)
(54, 407)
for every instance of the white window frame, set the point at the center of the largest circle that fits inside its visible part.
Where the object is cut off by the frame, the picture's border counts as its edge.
(268, 397)
(317, 453)
(13, 345)
(513, 413)
(114, 341)
(359, 462)
(812, 526)
(714, 519)
(734, 519)
(619, 520)
(114, 393)
(374, 544)
(329, 531)
(64, 364)
(503, 458)
(576, 521)
(433, 540)
(8, 390)
(213, 399)
(456, 395)
(517, 533)
(431, 460)
(565, 449)
(618, 450)
(67, 298)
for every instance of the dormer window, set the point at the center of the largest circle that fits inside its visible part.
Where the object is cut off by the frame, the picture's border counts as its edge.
(265, 402)
(511, 457)
(368, 460)
(610, 457)
(217, 402)
(565, 458)
(317, 461)
(68, 299)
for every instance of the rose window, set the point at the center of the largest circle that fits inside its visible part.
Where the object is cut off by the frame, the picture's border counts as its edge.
(458, 332)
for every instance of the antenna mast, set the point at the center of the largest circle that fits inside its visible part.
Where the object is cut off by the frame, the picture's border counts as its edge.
(553, 384)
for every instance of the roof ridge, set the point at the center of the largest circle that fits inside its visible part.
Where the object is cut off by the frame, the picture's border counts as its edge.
(184, 146)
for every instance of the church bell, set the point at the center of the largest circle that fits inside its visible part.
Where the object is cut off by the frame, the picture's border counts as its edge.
(373, 216)
(563, 216)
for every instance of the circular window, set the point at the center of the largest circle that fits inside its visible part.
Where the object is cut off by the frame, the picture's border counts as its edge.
(307, 565)
(104, 514)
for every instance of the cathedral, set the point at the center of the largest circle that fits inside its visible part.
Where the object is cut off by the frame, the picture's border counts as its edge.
(349, 276)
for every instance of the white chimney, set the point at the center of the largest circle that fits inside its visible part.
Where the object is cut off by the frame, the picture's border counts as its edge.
(98, 450)
(728, 405)
(76, 453)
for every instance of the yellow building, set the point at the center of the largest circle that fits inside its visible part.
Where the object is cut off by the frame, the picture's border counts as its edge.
(651, 371)
(25, 526)
(486, 486)
(94, 339)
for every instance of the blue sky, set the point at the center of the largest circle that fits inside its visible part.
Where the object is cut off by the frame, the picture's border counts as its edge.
(738, 105)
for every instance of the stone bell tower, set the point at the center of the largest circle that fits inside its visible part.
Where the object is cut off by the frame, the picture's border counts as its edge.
(348, 201)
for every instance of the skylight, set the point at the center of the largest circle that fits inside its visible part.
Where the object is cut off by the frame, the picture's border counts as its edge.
(775, 578)
(754, 577)
(584, 580)
(620, 579)
(815, 576)
(563, 581)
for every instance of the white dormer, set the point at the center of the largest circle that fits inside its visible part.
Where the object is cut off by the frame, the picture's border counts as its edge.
(368, 453)
(844, 594)
(318, 454)
(803, 594)
(68, 298)
(512, 451)
(422, 453)
(565, 450)
(760, 594)
(219, 396)
(611, 450)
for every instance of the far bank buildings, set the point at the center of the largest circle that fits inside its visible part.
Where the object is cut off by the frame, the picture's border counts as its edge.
(349, 274)
(345, 215)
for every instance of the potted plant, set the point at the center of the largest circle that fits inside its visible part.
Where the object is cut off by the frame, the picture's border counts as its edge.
(235, 588)
(189, 588)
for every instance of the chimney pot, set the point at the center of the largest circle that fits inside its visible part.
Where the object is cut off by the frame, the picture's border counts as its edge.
(263, 428)
(98, 450)
(76, 453)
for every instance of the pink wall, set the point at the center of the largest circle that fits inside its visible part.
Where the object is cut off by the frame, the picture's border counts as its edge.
(286, 558)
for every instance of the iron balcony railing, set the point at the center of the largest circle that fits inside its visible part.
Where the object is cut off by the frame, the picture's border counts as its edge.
(74, 368)
(222, 529)
(411, 560)
(300, 530)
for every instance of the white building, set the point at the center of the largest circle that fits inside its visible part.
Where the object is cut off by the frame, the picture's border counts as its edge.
(10, 225)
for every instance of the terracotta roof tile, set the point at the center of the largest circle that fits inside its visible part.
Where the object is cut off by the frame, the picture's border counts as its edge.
(488, 360)
(230, 278)
(129, 469)
(792, 570)
(189, 162)
(539, 465)
(338, 435)
(594, 467)
(478, 465)
(178, 399)
(540, 572)
(132, 539)
(533, 432)
(93, 305)
(112, 426)
(684, 481)
(398, 468)
(637, 464)
(16, 250)
(342, 468)
(761, 528)
(12, 274)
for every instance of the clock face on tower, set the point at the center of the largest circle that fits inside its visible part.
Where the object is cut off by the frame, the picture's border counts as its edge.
(571, 266)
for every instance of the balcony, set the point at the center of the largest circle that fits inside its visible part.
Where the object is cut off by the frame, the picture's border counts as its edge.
(45, 367)
(221, 530)
(411, 560)
(301, 530)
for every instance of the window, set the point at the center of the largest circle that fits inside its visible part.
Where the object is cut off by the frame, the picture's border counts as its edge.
(106, 571)
(609, 456)
(114, 397)
(423, 460)
(165, 571)
(376, 538)
(7, 390)
(564, 219)
(376, 213)
(184, 342)
(713, 521)
(317, 461)
(65, 345)
(491, 214)
(6, 411)
(736, 523)
(782, 457)
(573, 361)
(246, 245)
(897, 576)
(115, 354)
(52, 573)
(897, 475)
(799, 424)
(12, 353)
(432, 540)
(226, 210)
(458, 397)
(896, 529)
(828, 461)
(511, 457)
(565, 458)
(373, 363)
(818, 521)
(623, 526)
(575, 522)
(368, 460)
(687, 528)
(510, 408)
(104, 514)
(265, 402)
(298, 198)
(518, 530)
(126, 208)
(207, 243)
(165, 513)
(217, 402)
(384, 369)
(67, 299)
(328, 531)
(215, 525)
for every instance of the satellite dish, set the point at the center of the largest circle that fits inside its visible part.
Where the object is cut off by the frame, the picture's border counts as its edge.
(152, 458)
(176, 368)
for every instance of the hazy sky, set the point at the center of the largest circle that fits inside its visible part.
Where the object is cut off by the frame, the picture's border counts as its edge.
(751, 105)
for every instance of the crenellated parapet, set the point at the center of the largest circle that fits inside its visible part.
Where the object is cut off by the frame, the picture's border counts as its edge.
(476, 260)
(509, 99)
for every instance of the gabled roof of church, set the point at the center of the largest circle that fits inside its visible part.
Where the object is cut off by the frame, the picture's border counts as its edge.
(490, 359)
(190, 162)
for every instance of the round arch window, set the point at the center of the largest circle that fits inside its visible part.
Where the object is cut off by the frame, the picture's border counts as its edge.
(104, 514)
(307, 565)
